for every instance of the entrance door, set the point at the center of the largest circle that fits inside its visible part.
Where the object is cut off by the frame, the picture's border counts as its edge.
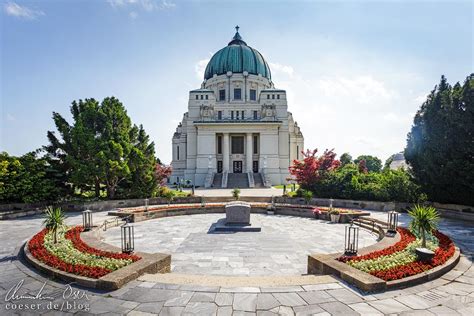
(255, 166)
(219, 166)
(237, 166)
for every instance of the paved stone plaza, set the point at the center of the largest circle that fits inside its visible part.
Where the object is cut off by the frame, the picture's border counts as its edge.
(281, 247)
(452, 294)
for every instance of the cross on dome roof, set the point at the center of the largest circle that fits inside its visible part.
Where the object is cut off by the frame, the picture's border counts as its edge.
(237, 39)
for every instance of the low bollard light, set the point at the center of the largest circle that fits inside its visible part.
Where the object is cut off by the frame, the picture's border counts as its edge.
(128, 238)
(392, 223)
(351, 239)
(87, 220)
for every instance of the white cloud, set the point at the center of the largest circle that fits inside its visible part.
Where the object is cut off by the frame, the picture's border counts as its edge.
(133, 15)
(364, 89)
(200, 67)
(10, 118)
(360, 111)
(421, 98)
(275, 67)
(16, 10)
(147, 5)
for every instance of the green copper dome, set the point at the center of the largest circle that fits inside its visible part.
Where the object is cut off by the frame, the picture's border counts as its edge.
(237, 57)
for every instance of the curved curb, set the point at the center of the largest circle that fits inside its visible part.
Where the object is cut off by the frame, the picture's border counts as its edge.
(328, 264)
(149, 263)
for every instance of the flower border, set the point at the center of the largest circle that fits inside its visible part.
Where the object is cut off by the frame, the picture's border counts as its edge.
(37, 249)
(444, 251)
(74, 235)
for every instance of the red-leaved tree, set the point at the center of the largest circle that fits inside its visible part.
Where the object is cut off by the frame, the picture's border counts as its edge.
(313, 168)
(162, 173)
(363, 166)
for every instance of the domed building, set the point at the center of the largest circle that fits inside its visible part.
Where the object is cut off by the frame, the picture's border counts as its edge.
(237, 131)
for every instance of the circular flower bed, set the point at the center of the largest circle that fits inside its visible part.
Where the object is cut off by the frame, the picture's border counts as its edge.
(400, 261)
(72, 255)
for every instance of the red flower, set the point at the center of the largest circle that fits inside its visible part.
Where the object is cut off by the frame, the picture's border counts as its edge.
(37, 249)
(442, 254)
(74, 235)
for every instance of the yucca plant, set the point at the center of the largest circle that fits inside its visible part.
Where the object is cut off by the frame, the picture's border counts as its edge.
(307, 195)
(424, 220)
(54, 220)
(236, 193)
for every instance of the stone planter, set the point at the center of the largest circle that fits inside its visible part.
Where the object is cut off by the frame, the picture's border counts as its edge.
(335, 218)
(424, 254)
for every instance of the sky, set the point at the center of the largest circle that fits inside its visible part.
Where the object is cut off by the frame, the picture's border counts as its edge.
(355, 71)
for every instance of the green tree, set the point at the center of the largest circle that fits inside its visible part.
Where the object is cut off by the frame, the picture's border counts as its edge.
(372, 163)
(142, 181)
(76, 151)
(345, 159)
(440, 146)
(101, 148)
(28, 179)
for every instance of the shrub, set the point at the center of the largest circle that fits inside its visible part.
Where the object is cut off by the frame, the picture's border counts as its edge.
(424, 220)
(236, 193)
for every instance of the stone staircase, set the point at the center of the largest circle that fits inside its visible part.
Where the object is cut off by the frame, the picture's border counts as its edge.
(257, 177)
(237, 180)
(217, 183)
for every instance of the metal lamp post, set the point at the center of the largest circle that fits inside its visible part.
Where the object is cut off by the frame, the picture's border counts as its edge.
(392, 222)
(146, 205)
(87, 220)
(351, 240)
(128, 238)
(330, 203)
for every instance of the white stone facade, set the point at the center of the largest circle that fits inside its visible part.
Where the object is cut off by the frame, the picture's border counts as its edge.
(222, 133)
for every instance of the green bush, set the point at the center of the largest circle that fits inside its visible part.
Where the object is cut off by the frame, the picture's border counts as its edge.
(348, 182)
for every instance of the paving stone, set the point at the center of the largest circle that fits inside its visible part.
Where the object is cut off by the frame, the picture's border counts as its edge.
(245, 302)
(389, 306)
(266, 301)
(203, 297)
(200, 308)
(415, 301)
(166, 286)
(148, 285)
(345, 296)
(144, 295)
(246, 289)
(365, 309)
(138, 313)
(242, 313)
(283, 310)
(153, 308)
(307, 310)
(171, 311)
(316, 297)
(338, 308)
(416, 313)
(324, 286)
(224, 299)
(130, 305)
(289, 299)
(224, 311)
(198, 288)
(286, 289)
(181, 299)
(266, 313)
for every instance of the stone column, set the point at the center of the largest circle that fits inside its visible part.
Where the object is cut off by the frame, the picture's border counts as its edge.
(225, 152)
(249, 152)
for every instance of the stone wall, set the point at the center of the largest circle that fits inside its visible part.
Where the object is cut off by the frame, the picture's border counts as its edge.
(11, 211)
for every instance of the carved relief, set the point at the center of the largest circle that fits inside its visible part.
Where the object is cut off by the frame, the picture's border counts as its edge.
(268, 112)
(207, 112)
